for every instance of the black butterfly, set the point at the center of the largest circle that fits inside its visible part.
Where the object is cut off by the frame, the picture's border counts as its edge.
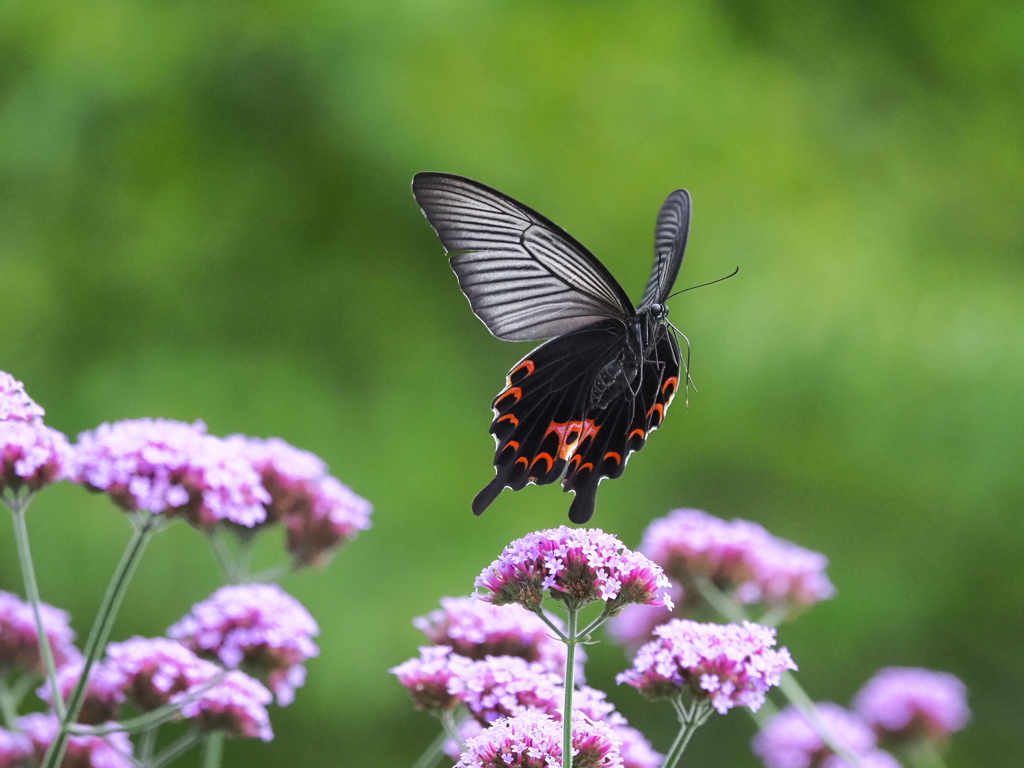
(580, 403)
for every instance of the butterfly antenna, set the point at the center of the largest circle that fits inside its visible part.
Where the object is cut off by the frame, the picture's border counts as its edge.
(686, 365)
(704, 285)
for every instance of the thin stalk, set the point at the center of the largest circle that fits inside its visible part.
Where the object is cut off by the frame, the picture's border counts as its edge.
(147, 745)
(432, 753)
(213, 749)
(571, 624)
(177, 748)
(551, 625)
(225, 559)
(8, 705)
(145, 525)
(926, 755)
(451, 728)
(690, 719)
(18, 505)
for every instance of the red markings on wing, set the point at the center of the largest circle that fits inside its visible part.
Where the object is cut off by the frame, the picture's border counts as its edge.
(660, 408)
(571, 434)
(516, 392)
(671, 381)
(509, 417)
(547, 457)
(637, 433)
(526, 365)
(576, 466)
(613, 455)
(511, 444)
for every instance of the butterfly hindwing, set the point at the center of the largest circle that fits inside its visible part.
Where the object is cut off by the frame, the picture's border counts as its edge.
(670, 236)
(524, 276)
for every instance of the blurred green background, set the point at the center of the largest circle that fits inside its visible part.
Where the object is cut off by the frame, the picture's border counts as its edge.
(205, 213)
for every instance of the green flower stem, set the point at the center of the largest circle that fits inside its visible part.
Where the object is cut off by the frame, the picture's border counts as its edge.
(8, 705)
(551, 625)
(221, 550)
(213, 749)
(571, 640)
(451, 728)
(925, 754)
(432, 753)
(790, 688)
(145, 526)
(18, 505)
(147, 746)
(690, 719)
(177, 748)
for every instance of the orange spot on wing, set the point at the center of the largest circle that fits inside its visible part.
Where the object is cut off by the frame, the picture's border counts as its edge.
(660, 408)
(547, 457)
(614, 455)
(571, 434)
(526, 365)
(511, 444)
(516, 392)
(640, 432)
(511, 418)
(524, 460)
(671, 381)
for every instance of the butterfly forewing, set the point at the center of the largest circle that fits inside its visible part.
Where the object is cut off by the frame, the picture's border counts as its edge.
(670, 235)
(525, 277)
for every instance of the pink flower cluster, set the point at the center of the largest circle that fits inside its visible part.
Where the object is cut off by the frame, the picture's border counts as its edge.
(19, 638)
(113, 750)
(789, 740)
(258, 627)
(319, 512)
(534, 740)
(729, 665)
(32, 455)
(904, 703)
(576, 566)
(174, 468)
(477, 629)
(739, 555)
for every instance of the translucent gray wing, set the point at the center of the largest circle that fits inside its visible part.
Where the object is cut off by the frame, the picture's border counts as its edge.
(669, 246)
(524, 276)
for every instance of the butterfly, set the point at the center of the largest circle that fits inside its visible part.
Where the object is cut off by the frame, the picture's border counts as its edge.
(578, 405)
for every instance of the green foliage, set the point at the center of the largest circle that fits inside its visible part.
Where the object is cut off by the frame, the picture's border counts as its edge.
(205, 213)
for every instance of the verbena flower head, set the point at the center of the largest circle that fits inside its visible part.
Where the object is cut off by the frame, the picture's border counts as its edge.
(15, 748)
(15, 405)
(504, 686)
(258, 627)
(788, 740)
(576, 566)
(908, 702)
(113, 750)
(104, 693)
(427, 678)
(730, 665)
(319, 511)
(534, 740)
(738, 556)
(875, 758)
(32, 455)
(477, 629)
(236, 705)
(169, 467)
(19, 638)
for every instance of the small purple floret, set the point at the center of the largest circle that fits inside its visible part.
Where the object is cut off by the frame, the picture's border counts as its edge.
(113, 750)
(908, 702)
(576, 566)
(319, 512)
(729, 665)
(237, 705)
(32, 456)
(19, 638)
(427, 678)
(14, 749)
(174, 468)
(15, 405)
(104, 694)
(258, 627)
(788, 740)
(534, 740)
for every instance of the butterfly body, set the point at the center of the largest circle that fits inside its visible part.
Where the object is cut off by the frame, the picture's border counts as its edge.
(578, 405)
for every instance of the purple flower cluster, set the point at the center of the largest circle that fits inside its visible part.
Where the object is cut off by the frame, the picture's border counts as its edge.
(576, 566)
(111, 751)
(738, 555)
(534, 740)
(153, 672)
(730, 665)
(19, 638)
(906, 703)
(15, 405)
(478, 629)
(319, 512)
(15, 748)
(504, 686)
(789, 740)
(103, 694)
(428, 677)
(258, 627)
(174, 468)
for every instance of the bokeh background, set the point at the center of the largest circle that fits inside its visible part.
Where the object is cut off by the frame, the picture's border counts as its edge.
(205, 214)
